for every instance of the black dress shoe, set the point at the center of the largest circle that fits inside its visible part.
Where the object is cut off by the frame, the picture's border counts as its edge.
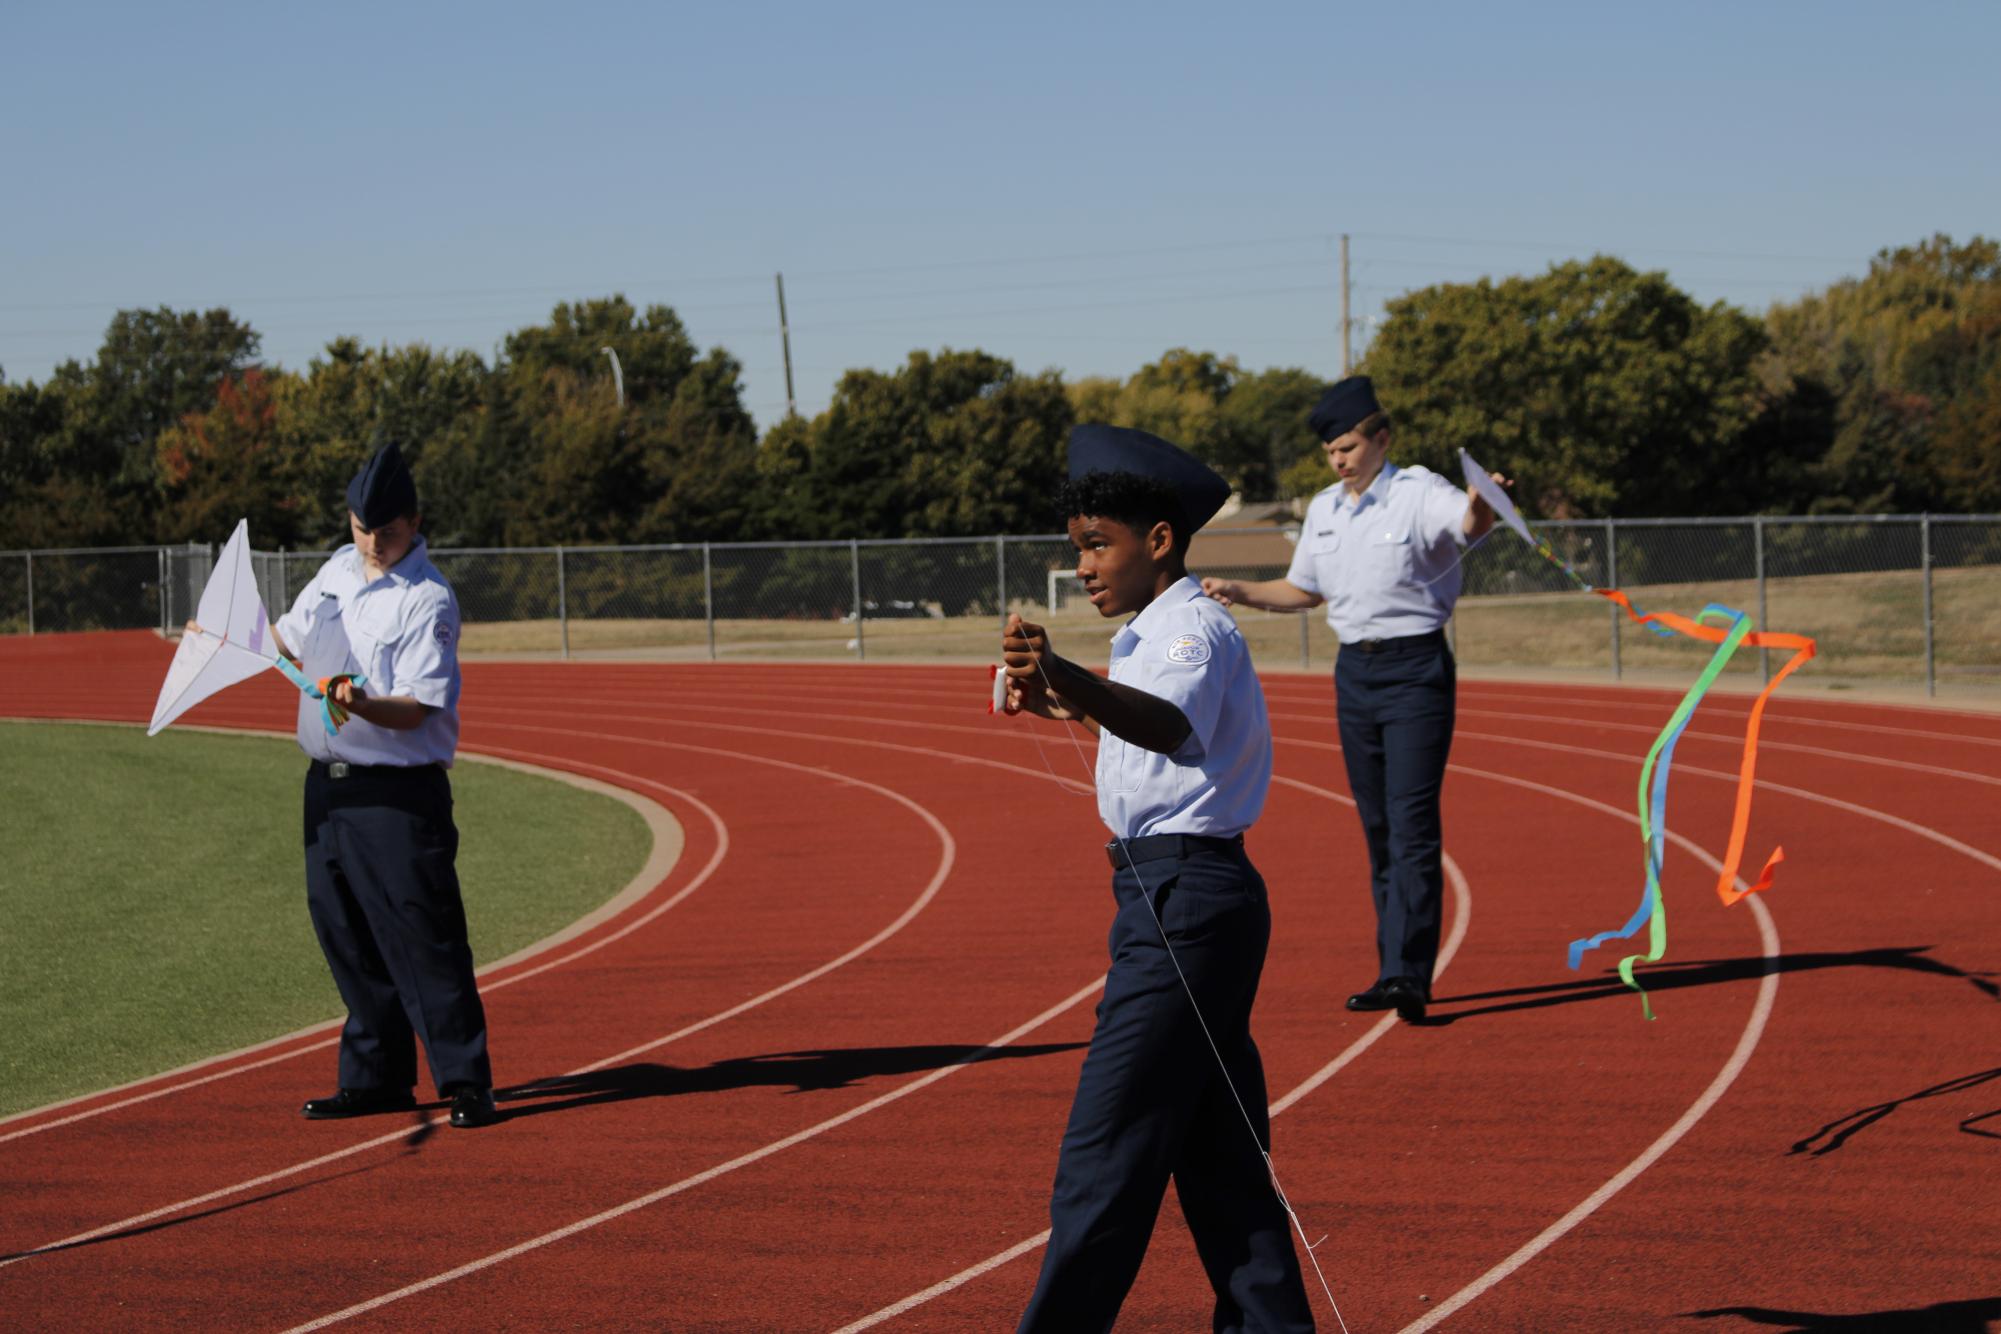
(1407, 997)
(473, 1106)
(1375, 998)
(358, 1102)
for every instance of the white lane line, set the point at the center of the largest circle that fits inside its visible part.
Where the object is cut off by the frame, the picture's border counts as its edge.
(948, 855)
(487, 984)
(686, 1183)
(1462, 901)
(1747, 1042)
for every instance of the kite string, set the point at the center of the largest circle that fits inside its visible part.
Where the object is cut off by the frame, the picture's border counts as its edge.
(1271, 1168)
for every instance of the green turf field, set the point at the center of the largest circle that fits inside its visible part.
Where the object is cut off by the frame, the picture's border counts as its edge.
(152, 898)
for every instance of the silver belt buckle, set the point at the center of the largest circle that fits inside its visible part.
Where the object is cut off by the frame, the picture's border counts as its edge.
(338, 769)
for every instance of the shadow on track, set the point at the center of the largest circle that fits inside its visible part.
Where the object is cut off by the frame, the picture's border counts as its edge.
(802, 1071)
(1707, 972)
(1839, 1130)
(1968, 1317)
(420, 1133)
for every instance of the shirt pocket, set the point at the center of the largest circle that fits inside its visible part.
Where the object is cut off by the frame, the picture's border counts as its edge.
(1389, 548)
(1325, 549)
(1121, 765)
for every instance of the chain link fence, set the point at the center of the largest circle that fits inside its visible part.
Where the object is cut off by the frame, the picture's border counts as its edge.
(1891, 599)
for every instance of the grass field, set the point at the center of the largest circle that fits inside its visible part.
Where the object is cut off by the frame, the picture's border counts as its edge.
(152, 900)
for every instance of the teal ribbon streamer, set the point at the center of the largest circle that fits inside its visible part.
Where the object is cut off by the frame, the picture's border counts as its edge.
(327, 706)
(1654, 775)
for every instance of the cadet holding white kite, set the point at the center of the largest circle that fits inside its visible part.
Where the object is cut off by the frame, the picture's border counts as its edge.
(381, 848)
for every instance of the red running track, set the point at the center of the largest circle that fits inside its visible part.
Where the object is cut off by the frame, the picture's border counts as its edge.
(816, 1077)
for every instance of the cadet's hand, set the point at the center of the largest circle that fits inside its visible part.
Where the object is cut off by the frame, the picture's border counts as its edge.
(193, 628)
(347, 694)
(1224, 591)
(1480, 515)
(1024, 645)
(1025, 650)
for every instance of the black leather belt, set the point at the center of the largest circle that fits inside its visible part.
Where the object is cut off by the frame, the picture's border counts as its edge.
(342, 769)
(1404, 645)
(1153, 847)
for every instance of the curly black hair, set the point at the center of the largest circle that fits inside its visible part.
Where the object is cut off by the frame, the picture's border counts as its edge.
(1135, 501)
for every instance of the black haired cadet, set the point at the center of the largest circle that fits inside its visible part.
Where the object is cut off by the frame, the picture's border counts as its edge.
(1184, 761)
(381, 849)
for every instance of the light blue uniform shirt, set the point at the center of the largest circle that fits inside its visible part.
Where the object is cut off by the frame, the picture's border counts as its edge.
(1386, 562)
(401, 632)
(1185, 648)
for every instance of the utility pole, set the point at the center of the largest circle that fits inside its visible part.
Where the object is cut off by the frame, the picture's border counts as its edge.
(1347, 354)
(785, 338)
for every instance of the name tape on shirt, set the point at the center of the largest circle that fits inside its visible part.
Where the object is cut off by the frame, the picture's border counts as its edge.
(1189, 650)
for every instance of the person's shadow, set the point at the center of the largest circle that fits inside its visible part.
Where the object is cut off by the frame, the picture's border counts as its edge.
(1669, 977)
(1838, 1131)
(1967, 1317)
(802, 1071)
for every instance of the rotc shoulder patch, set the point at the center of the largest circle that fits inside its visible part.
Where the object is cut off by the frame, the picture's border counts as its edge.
(442, 633)
(1188, 650)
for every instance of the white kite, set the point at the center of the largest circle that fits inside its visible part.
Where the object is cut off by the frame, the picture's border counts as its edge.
(1482, 481)
(231, 641)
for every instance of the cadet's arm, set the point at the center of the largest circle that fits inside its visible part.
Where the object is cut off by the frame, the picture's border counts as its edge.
(398, 713)
(1048, 686)
(1143, 720)
(1264, 594)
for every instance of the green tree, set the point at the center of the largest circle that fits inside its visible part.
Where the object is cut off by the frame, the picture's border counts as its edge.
(955, 444)
(1602, 389)
(1249, 426)
(1904, 355)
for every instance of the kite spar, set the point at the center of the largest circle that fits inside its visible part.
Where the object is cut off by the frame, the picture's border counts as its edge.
(231, 642)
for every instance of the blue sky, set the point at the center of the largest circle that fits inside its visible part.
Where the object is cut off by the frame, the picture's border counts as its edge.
(1072, 186)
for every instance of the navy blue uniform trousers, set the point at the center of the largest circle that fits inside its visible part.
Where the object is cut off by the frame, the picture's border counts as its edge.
(383, 889)
(1396, 708)
(1152, 1104)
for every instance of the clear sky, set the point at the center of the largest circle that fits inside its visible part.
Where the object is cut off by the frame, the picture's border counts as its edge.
(1077, 186)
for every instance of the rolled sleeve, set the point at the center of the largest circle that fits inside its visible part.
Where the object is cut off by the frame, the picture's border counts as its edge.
(426, 652)
(1190, 672)
(1443, 512)
(1300, 573)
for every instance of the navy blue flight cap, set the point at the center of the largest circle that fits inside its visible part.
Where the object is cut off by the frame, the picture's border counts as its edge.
(1098, 448)
(383, 491)
(1344, 407)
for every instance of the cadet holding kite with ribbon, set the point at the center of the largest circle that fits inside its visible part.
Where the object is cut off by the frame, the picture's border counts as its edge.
(1381, 547)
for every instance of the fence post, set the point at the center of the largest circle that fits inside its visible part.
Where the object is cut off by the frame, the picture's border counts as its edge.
(709, 600)
(855, 568)
(30, 556)
(284, 581)
(1925, 562)
(562, 602)
(1612, 581)
(1000, 575)
(1758, 559)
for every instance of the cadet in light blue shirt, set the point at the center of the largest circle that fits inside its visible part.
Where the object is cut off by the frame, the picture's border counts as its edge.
(381, 847)
(1184, 760)
(1381, 548)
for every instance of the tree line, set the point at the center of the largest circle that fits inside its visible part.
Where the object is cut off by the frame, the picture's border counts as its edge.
(1603, 389)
